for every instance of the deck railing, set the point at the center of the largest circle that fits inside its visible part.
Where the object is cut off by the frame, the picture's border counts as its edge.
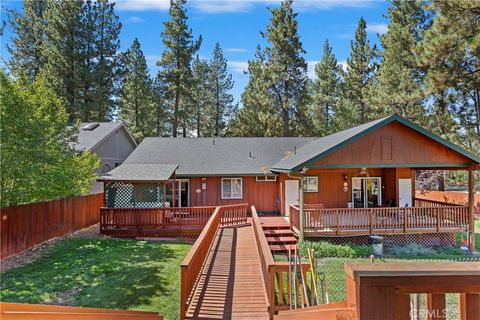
(266, 261)
(234, 214)
(381, 220)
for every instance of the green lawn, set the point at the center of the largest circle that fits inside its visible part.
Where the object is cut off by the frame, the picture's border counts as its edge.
(104, 273)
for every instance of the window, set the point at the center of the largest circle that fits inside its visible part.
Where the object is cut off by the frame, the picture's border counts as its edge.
(310, 184)
(232, 188)
(265, 178)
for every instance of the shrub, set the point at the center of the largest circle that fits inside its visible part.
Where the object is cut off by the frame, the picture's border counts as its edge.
(325, 249)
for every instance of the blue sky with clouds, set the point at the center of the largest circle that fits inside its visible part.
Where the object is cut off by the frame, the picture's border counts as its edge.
(236, 25)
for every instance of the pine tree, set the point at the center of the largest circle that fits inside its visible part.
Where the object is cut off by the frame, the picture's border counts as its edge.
(398, 86)
(222, 109)
(64, 61)
(175, 63)
(163, 125)
(450, 51)
(277, 89)
(137, 101)
(107, 67)
(327, 91)
(201, 97)
(26, 57)
(258, 117)
(360, 70)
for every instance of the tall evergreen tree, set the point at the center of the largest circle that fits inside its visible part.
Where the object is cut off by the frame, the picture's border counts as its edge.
(360, 70)
(175, 63)
(201, 97)
(222, 109)
(450, 51)
(163, 110)
(137, 101)
(398, 86)
(26, 46)
(107, 67)
(281, 87)
(64, 61)
(327, 91)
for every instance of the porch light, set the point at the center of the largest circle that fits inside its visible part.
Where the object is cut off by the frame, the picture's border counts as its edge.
(304, 170)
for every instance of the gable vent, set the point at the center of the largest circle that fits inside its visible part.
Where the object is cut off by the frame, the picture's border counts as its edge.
(91, 126)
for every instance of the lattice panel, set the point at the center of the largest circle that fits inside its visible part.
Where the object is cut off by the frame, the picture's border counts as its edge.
(424, 239)
(133, 195)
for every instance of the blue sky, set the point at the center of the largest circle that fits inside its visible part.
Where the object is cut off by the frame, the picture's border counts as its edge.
(236, 25)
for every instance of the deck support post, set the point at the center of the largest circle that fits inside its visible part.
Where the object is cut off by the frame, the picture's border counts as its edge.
(471, 208)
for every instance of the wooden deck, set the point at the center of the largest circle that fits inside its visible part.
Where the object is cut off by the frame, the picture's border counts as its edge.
(231, 285)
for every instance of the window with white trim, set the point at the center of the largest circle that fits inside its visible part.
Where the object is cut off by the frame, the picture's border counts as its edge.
(310, 184)
(265, 178)
(232, 188)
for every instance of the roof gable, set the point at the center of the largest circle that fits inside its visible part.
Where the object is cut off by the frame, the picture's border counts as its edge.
(325, 146)
(90, 139)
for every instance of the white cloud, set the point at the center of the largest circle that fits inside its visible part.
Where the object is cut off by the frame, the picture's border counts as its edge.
(225, 6)
(238, 66)
(236, 50)
(142, 5)
(379, 28)
(134, 19)
(343, 64)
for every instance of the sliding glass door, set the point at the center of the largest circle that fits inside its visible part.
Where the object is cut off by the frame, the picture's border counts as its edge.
(367, 192)
(182, 193)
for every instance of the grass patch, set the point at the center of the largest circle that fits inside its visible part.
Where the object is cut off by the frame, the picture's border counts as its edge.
(102, 273)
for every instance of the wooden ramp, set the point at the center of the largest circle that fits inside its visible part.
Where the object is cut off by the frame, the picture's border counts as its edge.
(231, 284)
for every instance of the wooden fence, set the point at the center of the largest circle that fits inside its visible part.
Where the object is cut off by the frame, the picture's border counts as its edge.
(450, 197)
(27, 225)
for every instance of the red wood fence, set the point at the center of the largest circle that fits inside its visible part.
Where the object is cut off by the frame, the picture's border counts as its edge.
(27, 225)
(450, 197)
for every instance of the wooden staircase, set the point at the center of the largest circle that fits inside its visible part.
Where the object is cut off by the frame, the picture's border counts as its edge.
(279, 233)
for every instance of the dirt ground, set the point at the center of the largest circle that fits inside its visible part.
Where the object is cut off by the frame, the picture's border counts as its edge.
(40, 250)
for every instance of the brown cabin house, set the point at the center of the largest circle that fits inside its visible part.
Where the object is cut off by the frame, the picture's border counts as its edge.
(354, 183)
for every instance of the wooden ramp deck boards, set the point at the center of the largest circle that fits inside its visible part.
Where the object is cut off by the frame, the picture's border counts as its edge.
(231, 284)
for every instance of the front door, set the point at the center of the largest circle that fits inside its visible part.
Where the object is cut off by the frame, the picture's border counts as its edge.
(291, 194)
(366, 192)
(405, 192)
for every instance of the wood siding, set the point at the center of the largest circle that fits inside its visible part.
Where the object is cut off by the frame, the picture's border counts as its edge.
(263, 195)
(393, 144)
(330, 185)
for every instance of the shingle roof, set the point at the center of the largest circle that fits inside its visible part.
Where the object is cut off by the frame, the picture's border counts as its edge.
(89, 139)
(321, 147)
(215, 156)
(140, 172)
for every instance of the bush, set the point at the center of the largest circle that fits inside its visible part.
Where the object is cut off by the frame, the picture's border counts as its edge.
(325, 249)
(411, 250)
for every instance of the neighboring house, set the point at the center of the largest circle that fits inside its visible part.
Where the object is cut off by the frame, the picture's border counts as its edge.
(110, 141)
(355, 182)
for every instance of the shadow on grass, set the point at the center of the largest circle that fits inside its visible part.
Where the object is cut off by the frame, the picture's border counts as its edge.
(102, 273)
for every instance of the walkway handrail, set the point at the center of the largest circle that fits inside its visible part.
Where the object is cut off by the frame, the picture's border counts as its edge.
(192, 264)
(233, 214)
(266, 261)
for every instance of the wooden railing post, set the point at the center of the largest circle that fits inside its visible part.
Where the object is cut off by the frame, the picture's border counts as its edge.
(371, 219)
(438, 218)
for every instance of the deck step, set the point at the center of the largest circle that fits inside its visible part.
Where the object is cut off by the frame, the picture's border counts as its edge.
(276, 227)
(278, 248)
(282, 240)
(278, 232)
